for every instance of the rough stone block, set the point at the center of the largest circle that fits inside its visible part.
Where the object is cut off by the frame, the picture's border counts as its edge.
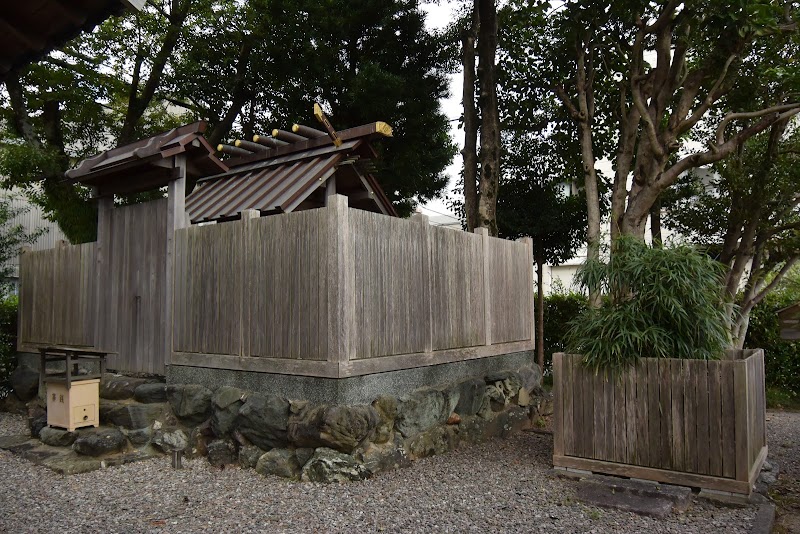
(249, 455)
(191, 403)
(221, 452)
(386, 406)
(169, 439)
(328, 465)
(55, 437)
(280, 462)
(99, 441)
(341, 428)
(25, 382)
(421, 410)
(226, 403)
(470, 396)
(131, 415)
(140, 436)
(264, 419)
(120, 387)
(150, 393)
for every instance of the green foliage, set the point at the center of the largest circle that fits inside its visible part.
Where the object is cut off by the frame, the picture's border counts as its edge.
(8, 338)
(662, 302)
(12, 238)
(245, 67)
(782, 357)
(559, 310)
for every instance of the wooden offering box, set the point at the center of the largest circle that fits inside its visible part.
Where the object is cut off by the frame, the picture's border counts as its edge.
(73, 407)
(73, 399)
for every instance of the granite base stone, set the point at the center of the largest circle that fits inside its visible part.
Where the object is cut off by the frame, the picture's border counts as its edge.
(353, 390)
(387, 421)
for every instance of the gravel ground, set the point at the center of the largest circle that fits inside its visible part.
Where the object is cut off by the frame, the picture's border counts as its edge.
(783, 436)
(500, 486)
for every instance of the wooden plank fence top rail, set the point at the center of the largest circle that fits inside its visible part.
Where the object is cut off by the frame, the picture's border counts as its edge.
(694, 422)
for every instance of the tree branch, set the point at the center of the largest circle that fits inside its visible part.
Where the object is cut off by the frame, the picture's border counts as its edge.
(720, 134)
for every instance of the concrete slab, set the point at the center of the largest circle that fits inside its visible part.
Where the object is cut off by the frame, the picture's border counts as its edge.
(64, 460)
(604, 496)
(655, 500)
(764, 520)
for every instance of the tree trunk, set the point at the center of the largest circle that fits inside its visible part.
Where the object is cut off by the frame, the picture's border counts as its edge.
(655, 224)
(470, 151)
(540, 314)
(240, 94)
(139, 100)
(490, 118)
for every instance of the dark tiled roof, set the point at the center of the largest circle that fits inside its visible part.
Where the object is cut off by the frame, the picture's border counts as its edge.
(136, 166)
(269, 186)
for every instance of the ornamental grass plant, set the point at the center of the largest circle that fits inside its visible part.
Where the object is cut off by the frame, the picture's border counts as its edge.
(659, 302)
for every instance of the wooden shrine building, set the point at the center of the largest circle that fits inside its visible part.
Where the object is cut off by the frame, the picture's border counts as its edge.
(285, 260)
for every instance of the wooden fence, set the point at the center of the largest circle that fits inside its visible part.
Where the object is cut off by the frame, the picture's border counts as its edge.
(108, 294)
(690, 422)
(57, 293)
(329, 292)
(341, 292)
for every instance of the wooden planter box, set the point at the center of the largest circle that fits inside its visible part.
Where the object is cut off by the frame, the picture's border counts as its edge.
(688, 422)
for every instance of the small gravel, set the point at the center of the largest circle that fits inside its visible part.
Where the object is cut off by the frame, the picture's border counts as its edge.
(499, 486)
(783, 438)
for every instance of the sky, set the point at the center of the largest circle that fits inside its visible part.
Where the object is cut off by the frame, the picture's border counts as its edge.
(438, 16)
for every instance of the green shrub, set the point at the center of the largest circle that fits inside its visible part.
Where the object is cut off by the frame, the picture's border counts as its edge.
(559, 310)
(662, 302)
(8, 339)
(782, 357)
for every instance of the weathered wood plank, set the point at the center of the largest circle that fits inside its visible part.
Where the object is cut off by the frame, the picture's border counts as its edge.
(630, 416)
(700, 374)
(569, 411)
(600, 411)
(678, 434)
(665, 407)
(689, 417)
(641, 382)
(655, 437)
(647, 473)
(728, 399)
(558, 404)
(715, 419)
(741, 419)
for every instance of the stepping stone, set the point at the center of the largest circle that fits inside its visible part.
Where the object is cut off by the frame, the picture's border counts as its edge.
(640, 497)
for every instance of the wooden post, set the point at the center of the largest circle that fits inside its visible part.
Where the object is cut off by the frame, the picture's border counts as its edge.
(244, 276)
(528, 242)
(341, 298)
(487, 301)
(421, 218)
(103, 317)
(21, 316)
(558, 404)
(742, 429)
(176, 219)
(330, 189)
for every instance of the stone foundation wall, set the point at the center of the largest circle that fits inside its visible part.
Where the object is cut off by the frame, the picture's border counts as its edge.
(351, 390)
(303, 439)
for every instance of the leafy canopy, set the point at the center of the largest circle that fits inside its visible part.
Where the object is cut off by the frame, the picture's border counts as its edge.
(662, 302)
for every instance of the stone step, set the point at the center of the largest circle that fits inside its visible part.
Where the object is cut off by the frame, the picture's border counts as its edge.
(638, 496)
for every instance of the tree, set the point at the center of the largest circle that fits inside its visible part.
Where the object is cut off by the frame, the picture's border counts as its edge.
(534, 204)
(481, 195)
(699, 49)
(747, 214)
(242, 67)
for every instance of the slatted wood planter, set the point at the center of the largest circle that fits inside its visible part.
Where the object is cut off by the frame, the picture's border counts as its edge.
(688, 422)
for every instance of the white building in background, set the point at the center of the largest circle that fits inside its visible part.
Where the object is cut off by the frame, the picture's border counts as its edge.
(31, 217)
